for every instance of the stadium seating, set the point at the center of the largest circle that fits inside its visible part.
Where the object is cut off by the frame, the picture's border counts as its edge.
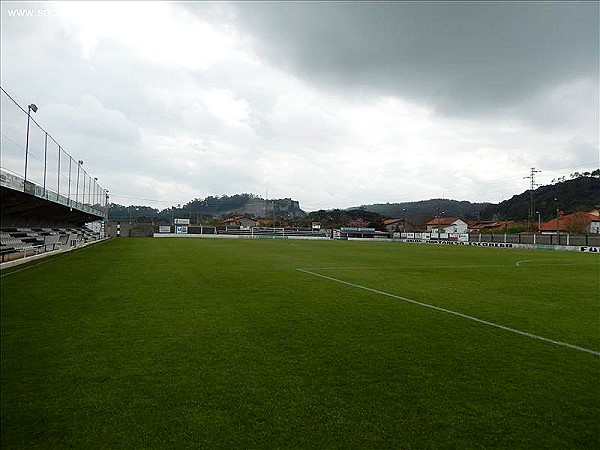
(22, 242)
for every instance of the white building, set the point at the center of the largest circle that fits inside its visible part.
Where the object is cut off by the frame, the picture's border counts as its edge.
(447, 225)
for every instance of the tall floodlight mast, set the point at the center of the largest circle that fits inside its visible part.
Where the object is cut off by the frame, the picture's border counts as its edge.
(531, 212)
(30, 108)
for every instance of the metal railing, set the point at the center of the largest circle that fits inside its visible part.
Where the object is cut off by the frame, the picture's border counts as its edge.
(33, 161)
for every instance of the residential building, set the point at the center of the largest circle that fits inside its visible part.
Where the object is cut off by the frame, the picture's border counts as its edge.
(482, 226)
(392, 225)
(240, 221)
(577, 223)
(447, 225)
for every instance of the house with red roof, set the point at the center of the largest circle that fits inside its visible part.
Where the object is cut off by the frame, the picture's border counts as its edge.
(579, 222)
(394, 225)
(482, 226)
(447, 225)
(240, 221)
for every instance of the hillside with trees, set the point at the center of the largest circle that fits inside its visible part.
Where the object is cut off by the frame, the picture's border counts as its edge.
(210, 208)
(421, 212)
(579, 193)
(336, 218)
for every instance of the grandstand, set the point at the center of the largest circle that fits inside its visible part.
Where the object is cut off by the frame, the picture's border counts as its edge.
(47, 198)
(19, 243)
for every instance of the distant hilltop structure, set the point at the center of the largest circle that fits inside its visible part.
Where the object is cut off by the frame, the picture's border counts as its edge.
(215, 207)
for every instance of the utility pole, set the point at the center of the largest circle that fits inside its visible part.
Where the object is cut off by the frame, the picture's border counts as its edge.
(531, 212)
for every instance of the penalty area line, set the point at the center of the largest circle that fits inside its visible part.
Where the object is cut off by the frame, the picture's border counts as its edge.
(455, 313)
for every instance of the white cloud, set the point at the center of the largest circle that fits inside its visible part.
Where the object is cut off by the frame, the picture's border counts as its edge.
(224, 105)
(155, 30)
(168, 106)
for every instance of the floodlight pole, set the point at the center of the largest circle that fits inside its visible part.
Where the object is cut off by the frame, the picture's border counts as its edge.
(106, 193)
(79, 163)
(105, 221)
(45, 160)
(30, 108)
(557, 221)
(69, 191)
(83, 193)
(92, 198)
(558, 224)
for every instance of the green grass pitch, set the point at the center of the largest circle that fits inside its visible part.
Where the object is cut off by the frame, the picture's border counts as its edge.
(174, 343)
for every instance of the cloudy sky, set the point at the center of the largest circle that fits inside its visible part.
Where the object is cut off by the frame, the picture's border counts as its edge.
(332, 104)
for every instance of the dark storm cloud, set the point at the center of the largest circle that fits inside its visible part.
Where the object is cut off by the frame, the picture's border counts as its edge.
(334, 104)
(461, 58)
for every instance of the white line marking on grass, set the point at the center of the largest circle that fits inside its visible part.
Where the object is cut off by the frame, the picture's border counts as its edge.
(26, 268)
(424, 266)
(448, 311)
(551, 264)
(51, 257)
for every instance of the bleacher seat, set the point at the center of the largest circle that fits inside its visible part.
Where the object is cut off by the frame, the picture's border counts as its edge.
(25, 241)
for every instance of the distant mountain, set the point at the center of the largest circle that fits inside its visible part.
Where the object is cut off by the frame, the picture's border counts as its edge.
(244, 204)
(579, 194)
(213, 207)
(421, 212)
(335, 218)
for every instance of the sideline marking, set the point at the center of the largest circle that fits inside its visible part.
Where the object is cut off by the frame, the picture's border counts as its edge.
(449, 311)
(50, 257)
(31, 266)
